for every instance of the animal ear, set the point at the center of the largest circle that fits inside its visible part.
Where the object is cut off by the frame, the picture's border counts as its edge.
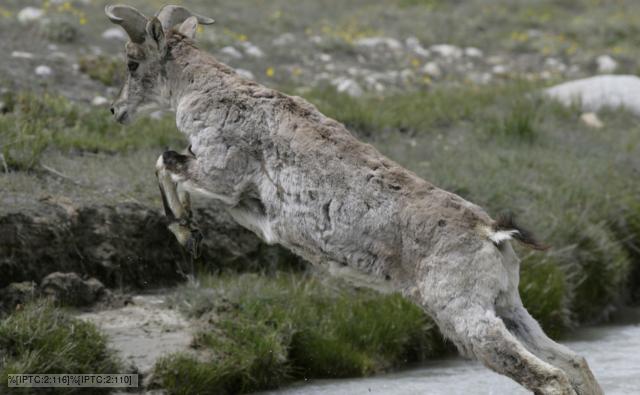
(189, 27)
(131, 20)
(155, 32)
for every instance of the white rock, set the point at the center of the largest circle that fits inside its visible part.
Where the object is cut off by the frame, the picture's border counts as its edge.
(373, 83)
(473, 52)
(115, 33)
(348, 86)
(22, 55)
(324, 57)
(44, 71)
(591, 120)
(606, 64)
(447, 51)
(99, 101)
(231, 52)
(432, 70)
(603, 91)
(157, 115)
(413, 45)
(499, 69)
(406, 76)
(252, 50)
(480, 78)
(374, 42)
(284, 40)
(30, 14)
(555, 65)
(245, 74)
(316, 40)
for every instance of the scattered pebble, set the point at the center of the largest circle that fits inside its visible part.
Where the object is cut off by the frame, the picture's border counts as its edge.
(591, 120)
(374, 42)
(157, 115)
(115, 33)
(473, 52)
(231, 52)
(252, 50)
(414, 45)
(318, 40)
(284, 40)
(348, 86)
(555, 65)
(499, 69)
(44, 71)
(22, 55)
(606, 64)
(99, 101)
(432, 70)
(245, 74)
(480, 78)
(406, 76)
(325, 57)
(447, 51)
(30, 14)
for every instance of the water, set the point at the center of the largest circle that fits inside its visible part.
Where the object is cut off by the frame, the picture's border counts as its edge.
(613, 352)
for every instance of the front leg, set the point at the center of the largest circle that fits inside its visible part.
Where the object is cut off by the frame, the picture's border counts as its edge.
(177, 203)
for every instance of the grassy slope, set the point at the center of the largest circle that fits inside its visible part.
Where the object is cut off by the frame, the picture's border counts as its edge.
(41, 338)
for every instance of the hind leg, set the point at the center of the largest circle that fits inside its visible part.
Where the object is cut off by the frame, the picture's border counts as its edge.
(528, 331)
(478, 332)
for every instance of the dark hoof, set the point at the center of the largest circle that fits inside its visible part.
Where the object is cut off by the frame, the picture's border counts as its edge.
(174, 161)
(188, 236)
(194, 243)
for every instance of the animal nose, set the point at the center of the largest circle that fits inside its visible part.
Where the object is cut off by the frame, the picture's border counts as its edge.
(113, 111)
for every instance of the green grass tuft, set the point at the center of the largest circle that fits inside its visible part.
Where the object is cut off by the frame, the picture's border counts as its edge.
(37, 122)
(543, 290)
(107, 70)
(43, 339)
(263, 331)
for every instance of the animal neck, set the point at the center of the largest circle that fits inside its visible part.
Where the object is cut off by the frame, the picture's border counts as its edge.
(191, 70)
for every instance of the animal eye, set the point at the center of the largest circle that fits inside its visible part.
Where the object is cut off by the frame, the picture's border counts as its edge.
(132, 66)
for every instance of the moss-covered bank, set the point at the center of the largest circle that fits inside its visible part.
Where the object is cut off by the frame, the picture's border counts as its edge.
(258, 332)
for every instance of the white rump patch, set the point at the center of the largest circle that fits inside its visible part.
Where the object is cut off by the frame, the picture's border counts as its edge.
(502, 235)
(499, 236)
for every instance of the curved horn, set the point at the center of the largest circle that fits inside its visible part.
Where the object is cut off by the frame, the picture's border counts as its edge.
(131, 20)
(171, 15)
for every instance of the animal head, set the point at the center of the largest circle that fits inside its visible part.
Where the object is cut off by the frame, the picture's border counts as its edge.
(146, 53)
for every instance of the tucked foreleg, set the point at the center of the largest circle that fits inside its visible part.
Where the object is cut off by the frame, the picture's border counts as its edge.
(177, 203)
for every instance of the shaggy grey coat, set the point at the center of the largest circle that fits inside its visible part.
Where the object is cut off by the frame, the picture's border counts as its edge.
(298, 178)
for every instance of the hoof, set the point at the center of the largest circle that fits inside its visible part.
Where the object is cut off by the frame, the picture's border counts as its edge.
(194, 243)
(174, 161)
(189, 237)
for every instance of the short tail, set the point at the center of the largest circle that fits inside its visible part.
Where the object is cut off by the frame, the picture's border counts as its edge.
(505, 228)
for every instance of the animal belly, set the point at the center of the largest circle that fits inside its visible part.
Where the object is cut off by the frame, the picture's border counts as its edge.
(255, 222)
